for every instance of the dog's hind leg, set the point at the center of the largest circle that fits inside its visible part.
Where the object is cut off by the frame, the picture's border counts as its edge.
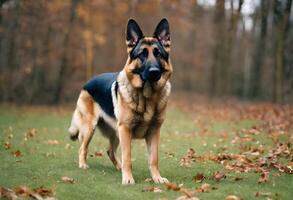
(84, 122)
(114, 142)
(86, 135)
(109, 132)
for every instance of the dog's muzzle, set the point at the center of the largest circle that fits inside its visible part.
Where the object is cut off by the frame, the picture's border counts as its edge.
(154, 74)
(151, 74)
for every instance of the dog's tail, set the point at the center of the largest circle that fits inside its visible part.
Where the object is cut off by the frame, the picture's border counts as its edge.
(73, 129)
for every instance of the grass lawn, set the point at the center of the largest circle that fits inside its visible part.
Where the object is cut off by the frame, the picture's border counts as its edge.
(35, 151)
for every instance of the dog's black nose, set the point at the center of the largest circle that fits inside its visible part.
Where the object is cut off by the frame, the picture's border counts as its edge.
(154, 74)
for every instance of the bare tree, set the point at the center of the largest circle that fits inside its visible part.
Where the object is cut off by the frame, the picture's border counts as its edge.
(282, 10)
(259, 57)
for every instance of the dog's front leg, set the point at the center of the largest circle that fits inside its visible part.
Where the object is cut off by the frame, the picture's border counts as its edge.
(125, 142)
(152, 140)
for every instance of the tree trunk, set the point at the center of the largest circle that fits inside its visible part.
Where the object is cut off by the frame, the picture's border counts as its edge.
(256, 76)
(229, 52)
(216, 71)
(64, 62)
(281, 25)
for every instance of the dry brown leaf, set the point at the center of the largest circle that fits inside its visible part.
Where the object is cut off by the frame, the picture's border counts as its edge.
(67, 179)
(152, 189)
(31, 132)
(23, 191)
(52, 142)
(205, 187)
(290, 164)
(38, 193)
(98, 154)
(264, 177)
(43, 191)
(219, 176)
(7, 193)
(7, 145)
(199, 177)
(176, 188)
(172, 186)
(187, 198)
(186, 192)
(263, 194)
(148, 180)
(17, 153)
(232, 197)
(188, 158)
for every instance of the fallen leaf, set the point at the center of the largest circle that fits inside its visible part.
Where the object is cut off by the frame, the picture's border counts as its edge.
(67, 179)
(152, 189)
(204, 188)
(52, 142)
(219, 176)
(256, 194)
(7, 193)
(23, 191)
(188, 158)
(232, 197)
(17, 153)
(263, 194)
(31, 132)
(43, 191)
(148, 180)
(187, 198)
(176, 188)
(199, 177)
(7, 145)
(98, 154)
(264, 177)
(172, 186)
(38, 193)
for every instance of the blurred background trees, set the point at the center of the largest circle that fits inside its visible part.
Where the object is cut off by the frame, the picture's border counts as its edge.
(239, 48)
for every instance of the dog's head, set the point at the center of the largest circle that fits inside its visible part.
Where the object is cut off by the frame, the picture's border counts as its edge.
(148, 57)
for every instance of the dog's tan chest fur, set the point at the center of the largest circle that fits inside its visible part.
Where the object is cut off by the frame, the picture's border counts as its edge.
(139, 119)
(141, 108)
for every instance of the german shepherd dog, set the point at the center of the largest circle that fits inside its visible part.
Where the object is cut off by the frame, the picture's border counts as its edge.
(130, 104)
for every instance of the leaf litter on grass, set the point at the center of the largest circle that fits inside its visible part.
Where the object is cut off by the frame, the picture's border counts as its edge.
(253, 154)
(274, 123)
(67, 179)
(39, 193)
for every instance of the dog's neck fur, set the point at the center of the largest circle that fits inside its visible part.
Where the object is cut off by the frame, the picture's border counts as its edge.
(138, 98)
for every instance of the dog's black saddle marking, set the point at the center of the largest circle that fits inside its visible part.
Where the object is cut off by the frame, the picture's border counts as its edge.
(99, 88)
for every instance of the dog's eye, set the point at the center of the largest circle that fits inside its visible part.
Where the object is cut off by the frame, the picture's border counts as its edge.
(144, 53)
(156, 52)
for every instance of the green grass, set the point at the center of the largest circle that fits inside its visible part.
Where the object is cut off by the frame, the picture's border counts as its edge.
(43, 164)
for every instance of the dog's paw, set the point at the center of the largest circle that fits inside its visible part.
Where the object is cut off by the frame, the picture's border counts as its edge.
(83, 166)
(128, 180)
(159, 179)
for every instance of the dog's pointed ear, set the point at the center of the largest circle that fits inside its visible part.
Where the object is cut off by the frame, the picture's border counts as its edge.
(133, 33)
(162, 33)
